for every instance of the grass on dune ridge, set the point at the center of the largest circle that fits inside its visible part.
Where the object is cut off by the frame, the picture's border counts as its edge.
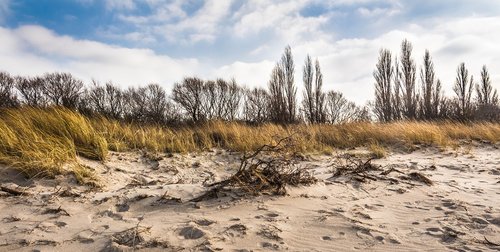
(43, 141)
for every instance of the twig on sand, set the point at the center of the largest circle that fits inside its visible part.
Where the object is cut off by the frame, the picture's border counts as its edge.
(267, 170)
(361, 171)
(13, 191)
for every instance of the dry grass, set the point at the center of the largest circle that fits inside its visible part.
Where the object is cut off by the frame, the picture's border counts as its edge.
(41, 141)
(377, 150)
(308, 138)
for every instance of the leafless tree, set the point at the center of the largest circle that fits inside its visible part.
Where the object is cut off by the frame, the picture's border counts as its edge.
(277, 100)
(156, 103)
(31, 90)
(314, 98)
(487, 98)
(290, 90)
(383, 76)
(339, 110)
(148, 104)
(408, 77)
(62, 89)
(107, 100)
(221, 100)
(256, 106)
(336, 105)
(396, 102)
(233, 94)
(189, 94)
(430, 89)
(463, 89)
(8, 97)
(447, 109)
(319, 95)
(309, 101)
(486, 95)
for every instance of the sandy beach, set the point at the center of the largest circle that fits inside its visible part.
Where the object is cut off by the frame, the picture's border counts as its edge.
(145, 205)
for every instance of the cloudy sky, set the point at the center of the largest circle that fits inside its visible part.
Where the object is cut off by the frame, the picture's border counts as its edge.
(135, 42)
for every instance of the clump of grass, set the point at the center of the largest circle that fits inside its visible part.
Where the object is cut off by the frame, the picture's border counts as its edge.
(39, 142)
(377, 150)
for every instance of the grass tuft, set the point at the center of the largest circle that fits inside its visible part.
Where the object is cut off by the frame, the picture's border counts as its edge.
(39, 142)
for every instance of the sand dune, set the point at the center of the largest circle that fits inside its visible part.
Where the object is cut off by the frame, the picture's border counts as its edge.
(145, 205)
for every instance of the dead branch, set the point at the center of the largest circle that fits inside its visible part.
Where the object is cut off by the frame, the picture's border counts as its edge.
(267, 170)
(361, 171)
(13, 191)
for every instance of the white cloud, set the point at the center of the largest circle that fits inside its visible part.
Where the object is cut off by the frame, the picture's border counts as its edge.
(248, 74)
(377, 12)
(34, 50)
(169, 21)
(120, 4)
(348, 64)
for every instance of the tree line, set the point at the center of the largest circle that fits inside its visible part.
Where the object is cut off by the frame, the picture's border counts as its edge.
(397, 96)
(191, 100)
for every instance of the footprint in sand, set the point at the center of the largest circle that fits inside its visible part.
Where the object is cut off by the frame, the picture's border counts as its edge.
(191, 233)
(326, 238)
(236, 230)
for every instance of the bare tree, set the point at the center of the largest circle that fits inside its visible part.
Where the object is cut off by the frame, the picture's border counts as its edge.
(309, 102)
(233, 94)
(282, 90)
(31, 90)
(148, 104)
(62, 89)
(486, 95)
(256, 106)
(336, 105)
(339, 110)
(487, 98)
(383, 77)
(319, 95)
(221, 99)
(463, 90)
(290, 90)
(430, 89)
(8, 97)
(188, 94)
(277, 100)
(396, 102)
(106, 100)
(408, 77)
(156, 103)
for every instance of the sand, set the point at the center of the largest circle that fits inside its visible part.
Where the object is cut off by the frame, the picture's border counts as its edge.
(145, 206)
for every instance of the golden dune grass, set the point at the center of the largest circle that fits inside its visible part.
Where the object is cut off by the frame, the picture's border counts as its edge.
(42, 141)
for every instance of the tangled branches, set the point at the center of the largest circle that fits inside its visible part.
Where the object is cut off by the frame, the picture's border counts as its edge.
(362, 171)
(267, 170)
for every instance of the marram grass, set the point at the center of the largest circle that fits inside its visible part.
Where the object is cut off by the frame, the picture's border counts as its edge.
(43, 141)
(40, 142)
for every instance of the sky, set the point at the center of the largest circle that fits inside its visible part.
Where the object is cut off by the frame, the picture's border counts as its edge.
(137, 42)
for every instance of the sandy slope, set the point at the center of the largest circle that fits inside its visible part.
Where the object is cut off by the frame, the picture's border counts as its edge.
(145, 207)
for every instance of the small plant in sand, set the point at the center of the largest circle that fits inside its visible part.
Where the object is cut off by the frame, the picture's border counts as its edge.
(267, 170)
(377, 150)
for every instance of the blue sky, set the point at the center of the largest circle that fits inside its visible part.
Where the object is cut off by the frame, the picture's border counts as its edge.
(134, 42)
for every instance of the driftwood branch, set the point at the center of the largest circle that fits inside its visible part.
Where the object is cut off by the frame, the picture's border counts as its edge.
(267, 170)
